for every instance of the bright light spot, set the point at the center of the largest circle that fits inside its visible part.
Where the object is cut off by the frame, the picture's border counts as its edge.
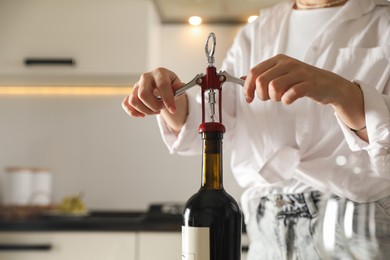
(348, 219)
(195, 20)
(187, 216)
(252, 18)
(329, 227)
(341, 160)
(357, 170)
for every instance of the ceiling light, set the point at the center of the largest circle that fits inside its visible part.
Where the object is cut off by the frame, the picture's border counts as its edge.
(252, 18)
(195, 20)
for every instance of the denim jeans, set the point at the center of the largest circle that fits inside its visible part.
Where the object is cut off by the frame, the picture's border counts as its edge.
(286, 226)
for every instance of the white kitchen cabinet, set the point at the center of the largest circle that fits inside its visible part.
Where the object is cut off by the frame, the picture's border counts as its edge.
(107, 39)
(94, 245)
(167, 246)
(159, 245)
(70, 245)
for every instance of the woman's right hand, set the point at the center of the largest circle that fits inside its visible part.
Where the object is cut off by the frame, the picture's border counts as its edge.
(143, 99)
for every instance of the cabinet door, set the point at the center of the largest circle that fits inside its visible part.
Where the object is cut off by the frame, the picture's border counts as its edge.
(159, 245)
(104, 38)
(167, 246)
(67, 245)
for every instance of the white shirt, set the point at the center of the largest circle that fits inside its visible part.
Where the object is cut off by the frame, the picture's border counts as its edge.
(303, 27)
(286, 149)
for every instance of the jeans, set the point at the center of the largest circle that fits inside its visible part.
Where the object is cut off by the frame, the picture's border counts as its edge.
(288, 226)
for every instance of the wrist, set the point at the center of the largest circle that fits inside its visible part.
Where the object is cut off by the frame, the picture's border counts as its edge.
(350, 106)
(348, 95)
(176, 120)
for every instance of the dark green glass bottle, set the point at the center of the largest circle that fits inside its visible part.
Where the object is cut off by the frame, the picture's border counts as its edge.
(212, 220)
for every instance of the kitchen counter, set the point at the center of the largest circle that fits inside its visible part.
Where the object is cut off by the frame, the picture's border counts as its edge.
(127, 235)
(98, 221)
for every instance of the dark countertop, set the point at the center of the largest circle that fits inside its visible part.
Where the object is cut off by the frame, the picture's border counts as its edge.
(98, 221)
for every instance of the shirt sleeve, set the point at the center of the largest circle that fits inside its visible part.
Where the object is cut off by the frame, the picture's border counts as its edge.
(187, 141)
(377, 121)
(377, 113)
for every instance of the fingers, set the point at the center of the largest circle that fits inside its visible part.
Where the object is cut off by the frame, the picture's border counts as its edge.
(294, 93)
(252, 80)
(135, 107)
(272, 84)
(147, 89)
(157, 83)
(129, 109)
(167, 93)
(277, 79)
(288, 87)
(143, 99)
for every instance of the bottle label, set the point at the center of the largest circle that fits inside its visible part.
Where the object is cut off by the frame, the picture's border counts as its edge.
(195, 243)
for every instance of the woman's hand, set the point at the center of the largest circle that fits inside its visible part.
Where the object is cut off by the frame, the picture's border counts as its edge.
(143, 100)
(284, 79)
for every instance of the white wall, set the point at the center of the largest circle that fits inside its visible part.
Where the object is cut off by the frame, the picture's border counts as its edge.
(92, 146)
(183, 47)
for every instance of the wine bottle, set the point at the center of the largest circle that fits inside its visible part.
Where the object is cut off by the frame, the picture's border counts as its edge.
(212, 220)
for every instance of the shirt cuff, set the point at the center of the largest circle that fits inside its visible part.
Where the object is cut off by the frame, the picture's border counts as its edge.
(377, 121)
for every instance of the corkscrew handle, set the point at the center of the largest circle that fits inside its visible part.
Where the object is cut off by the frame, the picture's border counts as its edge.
(197, 80)
(210, 83)
(210, 51)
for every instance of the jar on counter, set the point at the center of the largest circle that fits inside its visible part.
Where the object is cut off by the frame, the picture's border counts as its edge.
(41, 187)
(17, 186)
(27, 186)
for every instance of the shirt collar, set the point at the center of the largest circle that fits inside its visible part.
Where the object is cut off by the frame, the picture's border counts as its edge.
(351, 10)
(354, 9)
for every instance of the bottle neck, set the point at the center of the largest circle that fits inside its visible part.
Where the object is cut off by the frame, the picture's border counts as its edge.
(212, 161)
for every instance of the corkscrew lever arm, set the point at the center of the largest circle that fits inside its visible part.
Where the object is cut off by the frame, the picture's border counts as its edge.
(230, 78)
(197, 80)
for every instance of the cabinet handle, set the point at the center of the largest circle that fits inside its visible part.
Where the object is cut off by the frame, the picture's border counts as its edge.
(49, 62)
(25, 247)
(245, 249)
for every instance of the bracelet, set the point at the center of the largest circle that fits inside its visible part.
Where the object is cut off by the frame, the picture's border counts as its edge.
(364, 127)
(358, 130)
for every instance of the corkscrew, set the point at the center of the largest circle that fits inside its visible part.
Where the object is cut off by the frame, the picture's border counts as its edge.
(211, 82)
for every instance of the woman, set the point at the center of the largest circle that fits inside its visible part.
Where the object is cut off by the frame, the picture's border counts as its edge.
(316, 89)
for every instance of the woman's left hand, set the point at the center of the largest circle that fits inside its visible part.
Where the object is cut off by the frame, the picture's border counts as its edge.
(282, 78)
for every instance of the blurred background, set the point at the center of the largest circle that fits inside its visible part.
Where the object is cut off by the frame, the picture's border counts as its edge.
(66, 66)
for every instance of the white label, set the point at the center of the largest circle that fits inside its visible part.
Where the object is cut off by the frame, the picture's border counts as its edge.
(195, 243)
